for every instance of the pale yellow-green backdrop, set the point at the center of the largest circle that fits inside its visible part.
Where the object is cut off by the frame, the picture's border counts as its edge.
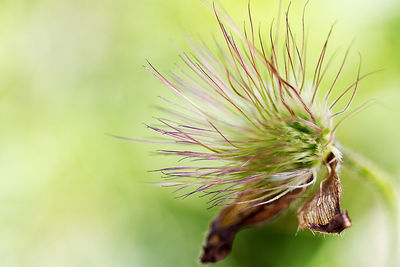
(71, 73)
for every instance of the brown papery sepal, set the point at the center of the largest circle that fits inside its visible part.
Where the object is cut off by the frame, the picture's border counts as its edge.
(322, 212)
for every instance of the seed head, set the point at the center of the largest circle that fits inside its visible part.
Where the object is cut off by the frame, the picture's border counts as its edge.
(257, 129)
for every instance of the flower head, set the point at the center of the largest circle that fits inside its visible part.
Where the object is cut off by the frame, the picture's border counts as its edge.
(257, 128)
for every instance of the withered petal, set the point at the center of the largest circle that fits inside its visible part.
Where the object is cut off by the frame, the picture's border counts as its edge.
(322, 212)
(233, 218)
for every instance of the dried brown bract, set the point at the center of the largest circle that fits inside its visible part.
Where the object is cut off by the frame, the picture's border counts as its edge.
(322, 212)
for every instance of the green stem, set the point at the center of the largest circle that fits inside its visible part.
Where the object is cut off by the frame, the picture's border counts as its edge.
(386, 187)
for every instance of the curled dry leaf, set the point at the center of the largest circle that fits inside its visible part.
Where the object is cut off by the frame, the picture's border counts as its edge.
(234, 218)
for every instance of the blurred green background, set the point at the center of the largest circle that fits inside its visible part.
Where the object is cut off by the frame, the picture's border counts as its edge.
(70, 195)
